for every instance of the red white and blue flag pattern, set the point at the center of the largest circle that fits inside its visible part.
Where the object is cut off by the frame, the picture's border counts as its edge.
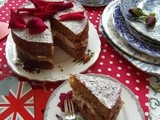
(18, 104)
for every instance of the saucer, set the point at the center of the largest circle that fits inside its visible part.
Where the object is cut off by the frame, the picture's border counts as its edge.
(100, 4)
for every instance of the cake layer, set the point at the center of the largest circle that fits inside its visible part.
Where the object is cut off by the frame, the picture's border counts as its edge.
(45, 64)
(34, 48)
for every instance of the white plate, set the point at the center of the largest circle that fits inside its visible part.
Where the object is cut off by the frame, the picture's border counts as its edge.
(131, 109)
(62, 60)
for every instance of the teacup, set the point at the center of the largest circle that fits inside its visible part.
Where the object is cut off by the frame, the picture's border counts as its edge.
(92, 1)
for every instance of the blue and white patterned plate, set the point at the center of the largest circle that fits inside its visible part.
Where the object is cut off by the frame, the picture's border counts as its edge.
(121, 27)
(147, 6)
(132, 55)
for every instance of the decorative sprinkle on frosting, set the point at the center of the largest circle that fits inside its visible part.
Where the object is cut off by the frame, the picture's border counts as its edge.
(106, 91)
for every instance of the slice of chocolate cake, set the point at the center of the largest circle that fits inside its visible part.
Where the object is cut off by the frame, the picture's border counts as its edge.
(96, 98)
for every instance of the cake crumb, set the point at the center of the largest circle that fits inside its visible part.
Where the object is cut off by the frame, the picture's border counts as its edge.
(60, 68)
(85, 58)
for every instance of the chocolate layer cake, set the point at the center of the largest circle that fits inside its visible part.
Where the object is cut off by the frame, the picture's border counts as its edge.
(96, 98)
(37, 50)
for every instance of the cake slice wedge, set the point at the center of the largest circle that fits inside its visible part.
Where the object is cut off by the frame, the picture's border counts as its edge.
(96, 98)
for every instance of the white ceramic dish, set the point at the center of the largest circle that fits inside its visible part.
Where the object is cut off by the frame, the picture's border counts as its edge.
(131, 110)
(140, 60)
(64, 64)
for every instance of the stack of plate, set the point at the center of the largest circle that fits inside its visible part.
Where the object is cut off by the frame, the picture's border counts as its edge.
(132, 39)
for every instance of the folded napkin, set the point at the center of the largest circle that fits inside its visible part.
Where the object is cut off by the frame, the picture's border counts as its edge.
(4, 31)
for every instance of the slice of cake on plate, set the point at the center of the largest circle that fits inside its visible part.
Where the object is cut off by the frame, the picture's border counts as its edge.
(96, 98)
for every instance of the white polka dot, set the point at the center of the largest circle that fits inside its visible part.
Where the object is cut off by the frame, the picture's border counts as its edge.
(10, 4)
(120, 61)
(101, 63)
(17, 4)
(13, 7)
(90, 17)
(147, 95)
(13, 1)
(118, 75)
(96, 21)
(0, 60)
(3, 18)
(137, 96)
(146, 113)
(147, 79)
(1, 72)
(112, 56)
(146, 104)
(89, 71)
(104, 50)
(5, 65)
(7, 8)
(128, 74)
(3, 11)
(103, 56)
(137, 81)
(110, 62)
(7, 14)
(0, 49)
(99, 70)
(92, 13)
(137, 88)
(99, 14)
(119, 68)
(109, 69)
(147, 87)
(127, 81)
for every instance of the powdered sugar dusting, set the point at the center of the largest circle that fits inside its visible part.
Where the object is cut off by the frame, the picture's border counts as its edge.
(75, 26)
(106, 91)
(44, 37)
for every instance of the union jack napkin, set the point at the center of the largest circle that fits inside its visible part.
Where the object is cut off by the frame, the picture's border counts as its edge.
(18, 102)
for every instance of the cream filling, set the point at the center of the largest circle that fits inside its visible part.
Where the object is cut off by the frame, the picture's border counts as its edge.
(38, 58)
(68, 42)
(82, 102)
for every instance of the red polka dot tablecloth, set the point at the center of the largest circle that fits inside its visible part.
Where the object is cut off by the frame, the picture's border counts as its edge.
(109, 63)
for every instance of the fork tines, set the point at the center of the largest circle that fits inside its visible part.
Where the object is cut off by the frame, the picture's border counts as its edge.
(69, 109)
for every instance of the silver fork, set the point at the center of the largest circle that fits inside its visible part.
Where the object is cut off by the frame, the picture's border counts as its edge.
(69, 110)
